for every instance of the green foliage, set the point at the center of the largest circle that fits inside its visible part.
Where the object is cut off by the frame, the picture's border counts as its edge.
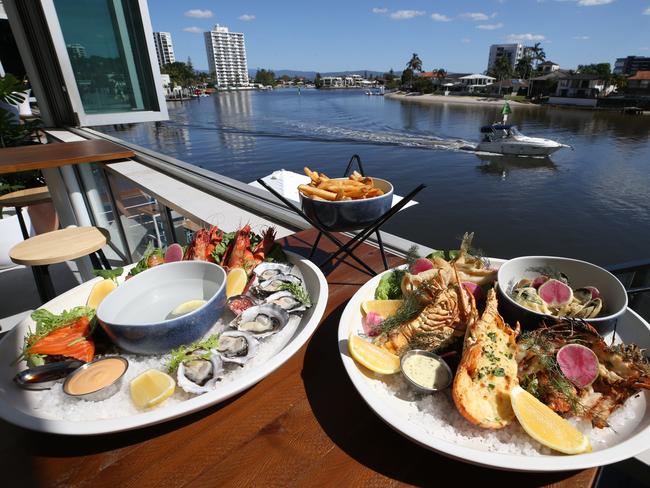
(318, 81)
(415, 63)
(422, 85)
(181, 74)
(184, 353)
(390, 286)
(10, 90)
(602, 70)
(265, 77)
(524, 67)
(109, 274)
(501, 69)
(298, 291)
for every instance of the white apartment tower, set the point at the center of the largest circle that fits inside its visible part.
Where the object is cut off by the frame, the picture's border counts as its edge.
(164, 48)
(514, 52)
(227, 57)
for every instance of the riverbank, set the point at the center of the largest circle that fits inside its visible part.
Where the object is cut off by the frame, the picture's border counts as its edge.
(466, 100)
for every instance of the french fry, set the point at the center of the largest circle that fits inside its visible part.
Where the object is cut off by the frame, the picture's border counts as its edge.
(311, 191)
(356, 175)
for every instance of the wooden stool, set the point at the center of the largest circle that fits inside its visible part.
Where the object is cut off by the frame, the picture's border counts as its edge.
(22, 198)
(57, 247)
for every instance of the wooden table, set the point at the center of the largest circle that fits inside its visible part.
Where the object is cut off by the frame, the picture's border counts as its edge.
(304, 425)
(42, 156)
(22, 198)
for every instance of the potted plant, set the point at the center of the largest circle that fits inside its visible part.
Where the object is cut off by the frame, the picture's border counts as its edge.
(16, 132)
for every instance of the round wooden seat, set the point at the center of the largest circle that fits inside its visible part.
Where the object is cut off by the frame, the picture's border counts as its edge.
(58, 246)
(22, 198)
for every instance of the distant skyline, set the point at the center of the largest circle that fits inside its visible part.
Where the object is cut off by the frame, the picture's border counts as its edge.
(376, 35)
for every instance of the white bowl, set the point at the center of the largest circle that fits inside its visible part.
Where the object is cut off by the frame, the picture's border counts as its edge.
(580, 274)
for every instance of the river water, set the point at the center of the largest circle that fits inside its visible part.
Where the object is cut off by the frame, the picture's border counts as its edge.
(590, 203)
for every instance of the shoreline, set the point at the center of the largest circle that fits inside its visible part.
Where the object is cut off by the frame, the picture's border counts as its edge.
(466, 100)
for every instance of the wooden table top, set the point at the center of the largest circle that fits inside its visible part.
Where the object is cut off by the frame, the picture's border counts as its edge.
(41, 156)
(58, 246)
(29, 196)
(304, 425)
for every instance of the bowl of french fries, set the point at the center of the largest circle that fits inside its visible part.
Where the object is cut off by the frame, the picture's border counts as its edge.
(341, 204)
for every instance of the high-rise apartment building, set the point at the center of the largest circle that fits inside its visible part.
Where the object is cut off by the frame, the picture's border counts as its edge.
(164, 48)
(631, 64)
(514, 52)
(227, 57)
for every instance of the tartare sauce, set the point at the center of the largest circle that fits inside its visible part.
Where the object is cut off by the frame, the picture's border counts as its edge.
(425, 371)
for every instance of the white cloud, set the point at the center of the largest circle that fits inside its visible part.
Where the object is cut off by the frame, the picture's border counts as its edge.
(593, 3)
(440, 18)
(194, 30)
(490, 26)
(406, 14)
(581, 38)
(646, 11)
(475, 16)
(246, 17)
(525, 37)
(644, 48)
(465, 40)
(379, 10)
(197, 12)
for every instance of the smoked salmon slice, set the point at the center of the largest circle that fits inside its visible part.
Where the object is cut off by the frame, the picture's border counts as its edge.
(70, 341)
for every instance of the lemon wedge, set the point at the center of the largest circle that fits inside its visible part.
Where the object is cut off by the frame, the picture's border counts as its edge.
(372, 357)
(151, 388)
(186, 307)
(99, 292)
(545, 426)
(236, 282)
(385, 308)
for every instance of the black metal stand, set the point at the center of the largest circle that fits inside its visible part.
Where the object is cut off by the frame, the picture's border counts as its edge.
(348, 248)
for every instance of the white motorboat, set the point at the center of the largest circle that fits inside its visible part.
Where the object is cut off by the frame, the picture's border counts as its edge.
(506, 139)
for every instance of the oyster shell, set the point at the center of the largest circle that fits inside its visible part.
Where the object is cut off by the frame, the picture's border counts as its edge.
(262, 320)
(236, 346)
(287, 301)
(274, 284)
(198, 375)
(266, 271)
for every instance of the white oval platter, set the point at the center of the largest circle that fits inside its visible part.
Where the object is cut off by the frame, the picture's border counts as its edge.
(402, 414)
(18, 406)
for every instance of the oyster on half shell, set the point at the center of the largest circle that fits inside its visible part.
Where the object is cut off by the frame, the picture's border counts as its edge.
(266, 271)
(275, 284)
(287, 301)
(197, 374)
(262, 320)
(236, 346)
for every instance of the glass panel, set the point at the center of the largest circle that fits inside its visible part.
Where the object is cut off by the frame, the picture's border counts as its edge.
(108, 53)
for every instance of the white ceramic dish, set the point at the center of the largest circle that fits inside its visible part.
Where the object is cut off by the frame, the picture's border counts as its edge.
(630, 441)
(16, 406)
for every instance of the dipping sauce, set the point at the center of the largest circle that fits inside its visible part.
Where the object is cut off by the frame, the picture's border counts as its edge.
(426, 371)
(95, 376)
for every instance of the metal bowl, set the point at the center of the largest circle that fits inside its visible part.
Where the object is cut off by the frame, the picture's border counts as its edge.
(344, 215)
(443, 363)
(134, 315)
(102, 393)
(580, 273)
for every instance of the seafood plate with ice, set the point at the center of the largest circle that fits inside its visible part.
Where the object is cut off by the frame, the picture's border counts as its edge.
(267, 319)
(592, 390)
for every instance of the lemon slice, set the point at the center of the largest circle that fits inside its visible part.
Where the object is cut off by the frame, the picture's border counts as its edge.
(186, 307)
(236, 282)
(545, 426)
(151, 388)
(372, 357)
(99, 292)
(385, 308)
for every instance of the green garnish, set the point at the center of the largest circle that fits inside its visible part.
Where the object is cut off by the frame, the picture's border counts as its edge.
(298, 291)
(410, 308)
(390, 286)
(220, 250)
(109, 274)
(143, 264)
(490, 386)
(492, 336)
(498, 372)
(180, 354)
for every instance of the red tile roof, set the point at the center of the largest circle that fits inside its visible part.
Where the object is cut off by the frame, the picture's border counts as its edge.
(429, 74)
(640, 75)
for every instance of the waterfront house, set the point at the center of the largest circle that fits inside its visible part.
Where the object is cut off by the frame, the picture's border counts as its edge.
(639, 84)
(545, 85)
(514, 86)
(475, 82)
(548, 67)
(332, 82)
(581, 85)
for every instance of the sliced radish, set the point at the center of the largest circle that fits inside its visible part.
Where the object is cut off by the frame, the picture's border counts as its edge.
(539, 281)
(595, 293)
(370, 323)
(579, 364)
(420, 265)
(555, 293)
(174, 253)
(475, 290)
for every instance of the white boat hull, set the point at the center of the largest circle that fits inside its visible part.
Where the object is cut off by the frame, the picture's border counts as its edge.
(517, 148)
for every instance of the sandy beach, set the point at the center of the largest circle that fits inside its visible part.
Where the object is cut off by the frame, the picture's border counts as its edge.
(468, 100)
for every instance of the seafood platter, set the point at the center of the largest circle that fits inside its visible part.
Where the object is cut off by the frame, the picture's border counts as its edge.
(179, 331)
(432, 350)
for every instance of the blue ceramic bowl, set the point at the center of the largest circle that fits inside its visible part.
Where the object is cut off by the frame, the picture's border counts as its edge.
(135, 314)
(347, 215)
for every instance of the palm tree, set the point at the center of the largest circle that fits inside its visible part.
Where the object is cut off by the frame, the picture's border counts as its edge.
(414, 64)
(537, 55)
(524, 67)
(502, 69)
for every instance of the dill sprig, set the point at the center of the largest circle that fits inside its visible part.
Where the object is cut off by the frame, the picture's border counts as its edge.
(183, 353)
(298, 291)
(410, 308)
(412, 255)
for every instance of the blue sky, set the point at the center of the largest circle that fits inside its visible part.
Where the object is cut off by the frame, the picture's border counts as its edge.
(378, 35)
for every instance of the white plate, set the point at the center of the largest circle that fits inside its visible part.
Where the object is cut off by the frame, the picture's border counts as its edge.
(17, 407)
(629, 441)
